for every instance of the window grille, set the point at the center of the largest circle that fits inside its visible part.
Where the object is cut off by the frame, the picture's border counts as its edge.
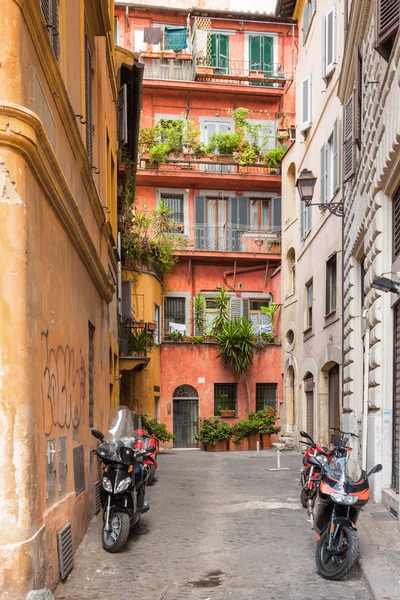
(266, 394)
(225, 397)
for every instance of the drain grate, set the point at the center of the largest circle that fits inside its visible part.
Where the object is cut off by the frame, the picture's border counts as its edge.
(97, 500)
(383, 516)
(65, 551)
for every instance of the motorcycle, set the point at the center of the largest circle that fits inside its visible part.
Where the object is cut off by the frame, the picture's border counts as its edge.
(342, 492)
(122, 490)
(144, 442)
(310, 474)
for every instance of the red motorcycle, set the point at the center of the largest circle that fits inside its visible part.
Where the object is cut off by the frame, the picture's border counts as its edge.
(310, 473)
(143, 442)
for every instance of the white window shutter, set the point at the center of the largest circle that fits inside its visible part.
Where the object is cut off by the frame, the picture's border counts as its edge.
(306, 104)
(330, 41)
(323, 46)
(309, 219)
(122, 123)
(336, 157)
(324, 166)
(302, 220)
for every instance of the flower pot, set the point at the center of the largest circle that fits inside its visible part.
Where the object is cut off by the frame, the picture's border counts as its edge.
(253, 439)
(151, 326)
(121, 166)
(121, 353)
(204, 70)
(188, 156)
(185, 56)
(218, 447)
(171, 154)
(203, 446)
(242, 445)
(145, 154)
(227, 413)
(169, 55)
(256, 74)
(150, 54)
(215, 157)
(181, 155)
(265, 441)
(141, 353)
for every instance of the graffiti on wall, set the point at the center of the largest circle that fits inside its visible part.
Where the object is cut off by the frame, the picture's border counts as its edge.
(63, 386)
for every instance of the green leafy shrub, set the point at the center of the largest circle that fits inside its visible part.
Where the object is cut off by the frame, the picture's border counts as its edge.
(212, 431)
(159, 152)
(156, 427)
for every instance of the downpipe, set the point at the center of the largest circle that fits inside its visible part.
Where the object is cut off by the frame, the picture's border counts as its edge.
(365, 392)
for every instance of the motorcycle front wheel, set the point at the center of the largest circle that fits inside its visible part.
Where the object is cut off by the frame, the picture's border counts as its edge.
(304, 498)
(114, 540)
(152, 474)
(335, 566)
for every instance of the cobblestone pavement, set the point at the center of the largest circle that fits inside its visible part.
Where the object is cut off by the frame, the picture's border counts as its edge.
(221, 526)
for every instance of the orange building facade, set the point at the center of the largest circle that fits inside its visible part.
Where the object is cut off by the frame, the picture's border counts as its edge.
(201, 66)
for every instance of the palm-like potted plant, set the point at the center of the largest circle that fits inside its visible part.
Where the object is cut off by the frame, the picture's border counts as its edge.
(236, 348)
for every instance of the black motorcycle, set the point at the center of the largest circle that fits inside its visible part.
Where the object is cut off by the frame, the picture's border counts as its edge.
(123, 481)
(343, 490)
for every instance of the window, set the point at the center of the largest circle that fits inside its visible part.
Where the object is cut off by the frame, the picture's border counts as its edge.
(89, 100)
(220, 53)
(122, 115)
(174, 312)
(331, 285)
(266, 395)
(329, 43)
(262, 134)
(305, 104)
(260, 214)
(157, 319)
(330, 166)
(211, 311)
(305, 219)
(116, 31)
(260, 320)
(91, 374)
(349, 158)
(225, 397)
(261, 54)
(309, 304)
(309, 10)
(50, 10)
(387, 24)
(175, 205)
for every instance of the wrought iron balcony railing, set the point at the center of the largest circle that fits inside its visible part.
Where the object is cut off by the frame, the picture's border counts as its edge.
(204, 165)
(231, 238)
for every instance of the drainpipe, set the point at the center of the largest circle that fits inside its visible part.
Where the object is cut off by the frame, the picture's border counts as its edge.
(365, 394)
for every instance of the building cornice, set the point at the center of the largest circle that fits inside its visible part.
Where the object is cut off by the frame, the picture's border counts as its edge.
(41, 41)
(359, 15)
(22, 131)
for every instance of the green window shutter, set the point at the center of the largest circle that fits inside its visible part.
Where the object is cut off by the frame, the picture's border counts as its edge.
(255, 52)
(199, 219)
(267, 48)
(220, 51)
(214, 56)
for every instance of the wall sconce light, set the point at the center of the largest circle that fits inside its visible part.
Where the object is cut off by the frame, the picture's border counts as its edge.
(169, 408)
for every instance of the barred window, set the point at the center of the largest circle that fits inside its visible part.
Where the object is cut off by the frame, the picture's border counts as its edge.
(175, 205)
(266, 394)
(225, 397)
(174, 312)
(50, 12)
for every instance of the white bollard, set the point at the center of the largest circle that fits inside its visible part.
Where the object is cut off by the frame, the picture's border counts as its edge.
(258, 448)
(278, 459)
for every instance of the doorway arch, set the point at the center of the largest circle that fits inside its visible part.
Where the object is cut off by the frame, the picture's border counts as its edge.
(185, 416)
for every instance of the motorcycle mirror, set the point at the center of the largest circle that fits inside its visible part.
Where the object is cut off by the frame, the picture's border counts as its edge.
(97, 434)
(375, 469)
(306, 435)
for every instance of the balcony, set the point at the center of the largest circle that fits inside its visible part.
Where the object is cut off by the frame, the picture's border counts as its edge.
(235, 239)
(167, 67)
(135, 343)
(208, 171)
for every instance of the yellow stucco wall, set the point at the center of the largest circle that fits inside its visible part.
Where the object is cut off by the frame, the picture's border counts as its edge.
(138, 386)
(58, 273)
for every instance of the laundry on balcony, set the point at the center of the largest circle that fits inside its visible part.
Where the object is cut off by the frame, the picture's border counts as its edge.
(152, 35)
(179, 327)
(176, 37)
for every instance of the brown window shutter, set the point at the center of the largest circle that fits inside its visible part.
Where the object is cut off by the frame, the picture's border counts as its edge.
(387, 24)
(396, 224)
(348, 139)
(358, 96)
(89, 100)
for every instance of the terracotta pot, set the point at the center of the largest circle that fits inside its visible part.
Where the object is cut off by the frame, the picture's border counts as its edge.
(169, 54)
(141, 353)
(253, 439)
(145, 154)
(188, 156)
(218, 447)
(265, 441)
(215, 157)
(203, 446)
(121, 353)
(203, 69)
(150, 54)
(227, 413)
(181, 155)
(243, 445)
(151, 326)
(185, 56)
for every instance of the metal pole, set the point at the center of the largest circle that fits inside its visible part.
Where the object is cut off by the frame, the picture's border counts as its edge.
(278, 459)
(258, 448)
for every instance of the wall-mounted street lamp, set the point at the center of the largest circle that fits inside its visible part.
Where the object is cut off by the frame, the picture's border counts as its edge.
(306, 184)
(384, 284)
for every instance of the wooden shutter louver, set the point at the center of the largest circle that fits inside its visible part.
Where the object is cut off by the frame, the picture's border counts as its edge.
(387, 24)
(323, 194)
(122, 122)
(348, 139)
(358, 97)
(396, 225)
(336, 157)
(88, 100)
(306, 104)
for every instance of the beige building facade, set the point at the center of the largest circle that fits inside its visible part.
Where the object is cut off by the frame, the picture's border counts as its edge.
(369, 91)
(312, 238)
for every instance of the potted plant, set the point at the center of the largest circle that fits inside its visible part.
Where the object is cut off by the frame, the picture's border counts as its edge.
(158, 153)
(273, 158)
(239, 439)
(151, 326)
(264, 421)
(139, 342)
(214, 434)
(156, 427)
(169, 54)
(147, 139)
(185, 56)
(176, 336)
(226, 412)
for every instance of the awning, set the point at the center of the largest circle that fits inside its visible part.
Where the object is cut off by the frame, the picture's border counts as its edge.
(176, 37)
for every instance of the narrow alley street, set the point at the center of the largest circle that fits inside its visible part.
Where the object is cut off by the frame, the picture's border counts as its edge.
(221, 526)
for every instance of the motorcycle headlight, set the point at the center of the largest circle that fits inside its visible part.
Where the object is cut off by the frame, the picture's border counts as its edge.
(107, 484)
(322, 459)
(123, 485)
(344, 498)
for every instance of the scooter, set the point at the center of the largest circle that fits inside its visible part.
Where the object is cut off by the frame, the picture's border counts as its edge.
(122, 490)
(144, 442)
(342, 492)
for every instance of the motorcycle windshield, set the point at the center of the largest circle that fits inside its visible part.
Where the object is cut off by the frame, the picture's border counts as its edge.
(124, 425)
(344, 470)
